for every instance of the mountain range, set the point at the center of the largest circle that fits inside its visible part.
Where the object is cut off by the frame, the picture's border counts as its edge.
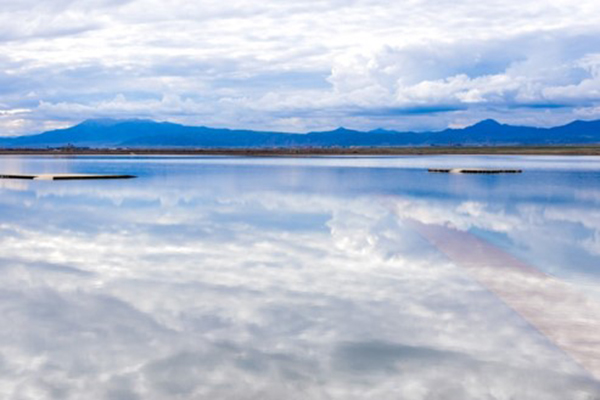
(110, 133)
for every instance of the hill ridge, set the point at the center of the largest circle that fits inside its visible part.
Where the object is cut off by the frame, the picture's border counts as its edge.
(146, 133)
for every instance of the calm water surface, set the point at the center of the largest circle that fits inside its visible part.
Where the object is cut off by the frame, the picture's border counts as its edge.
(310, 278)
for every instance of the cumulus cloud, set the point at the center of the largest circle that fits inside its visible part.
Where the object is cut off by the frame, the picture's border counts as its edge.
(519, 73)
(300, 66)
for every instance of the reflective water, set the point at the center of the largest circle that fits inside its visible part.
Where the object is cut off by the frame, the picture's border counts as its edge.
(308, 278)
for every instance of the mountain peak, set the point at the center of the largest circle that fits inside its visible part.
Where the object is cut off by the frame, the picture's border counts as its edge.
(342, 129)
(99, 122)
(339, 130)
(488, 123)
(107, 122)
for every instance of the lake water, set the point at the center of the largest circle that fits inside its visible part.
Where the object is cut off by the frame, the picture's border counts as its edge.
(300, 278)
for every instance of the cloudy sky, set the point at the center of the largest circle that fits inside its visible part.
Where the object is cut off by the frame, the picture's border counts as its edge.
(301, 65)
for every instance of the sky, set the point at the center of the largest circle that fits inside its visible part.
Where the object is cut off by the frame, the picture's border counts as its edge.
(297, 66)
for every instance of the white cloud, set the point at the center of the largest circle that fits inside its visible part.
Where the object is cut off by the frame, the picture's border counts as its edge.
(301, 65)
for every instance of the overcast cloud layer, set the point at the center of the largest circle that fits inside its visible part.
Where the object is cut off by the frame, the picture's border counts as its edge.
(298, 66)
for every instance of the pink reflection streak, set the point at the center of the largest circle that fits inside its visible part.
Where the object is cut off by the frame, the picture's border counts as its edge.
(566, 317)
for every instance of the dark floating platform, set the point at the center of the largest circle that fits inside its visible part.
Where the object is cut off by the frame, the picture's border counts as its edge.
(475, 171)
(64, 177)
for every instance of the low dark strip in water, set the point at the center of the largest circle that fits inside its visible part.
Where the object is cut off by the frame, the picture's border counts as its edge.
(64, 177)
(475, 171)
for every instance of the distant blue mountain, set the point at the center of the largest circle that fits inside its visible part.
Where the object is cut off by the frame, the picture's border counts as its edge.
(108, 133)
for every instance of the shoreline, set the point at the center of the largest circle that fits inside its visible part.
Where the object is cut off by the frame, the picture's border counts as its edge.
(322, 151)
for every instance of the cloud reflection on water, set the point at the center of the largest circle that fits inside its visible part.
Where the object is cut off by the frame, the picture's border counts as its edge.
(214, 286)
